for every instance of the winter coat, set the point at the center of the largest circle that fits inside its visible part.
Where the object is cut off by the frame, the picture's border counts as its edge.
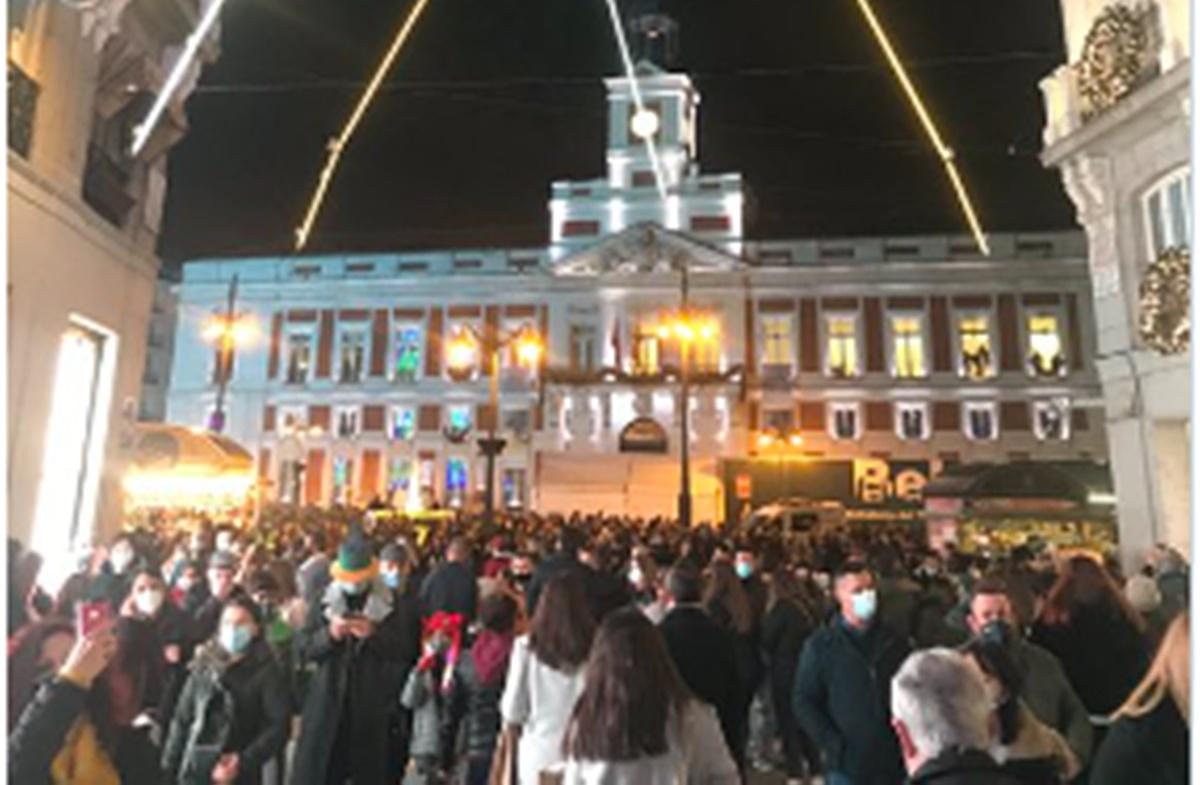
(1102, 653)
(1152, 748)
(1038, 755)
(605, 592)
(479, 702)
(696, 755)
(842, 697)
(356, 682)
(207, 618)
(704, 654)
(451, 588)
(240, 706)
(962, 767)
(422, 696)
(785, 628)
(1050, 696)
(43, 729)
(539, 699)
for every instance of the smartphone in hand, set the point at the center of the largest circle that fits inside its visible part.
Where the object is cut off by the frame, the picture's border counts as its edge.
(91, 615)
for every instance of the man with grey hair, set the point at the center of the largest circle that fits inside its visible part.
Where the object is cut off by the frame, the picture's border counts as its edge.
(943, 719)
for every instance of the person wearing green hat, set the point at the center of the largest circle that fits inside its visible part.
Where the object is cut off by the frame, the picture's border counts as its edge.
(356, 641)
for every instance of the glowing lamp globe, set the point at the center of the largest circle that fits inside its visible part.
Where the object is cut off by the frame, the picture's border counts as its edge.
(644, 124)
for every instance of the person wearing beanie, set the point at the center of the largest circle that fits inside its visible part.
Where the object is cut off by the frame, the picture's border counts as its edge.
(222, 586)
(355, 640)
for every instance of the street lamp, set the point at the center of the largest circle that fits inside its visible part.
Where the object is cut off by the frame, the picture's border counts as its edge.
(227, 331)
(462, 353)
(689, 328)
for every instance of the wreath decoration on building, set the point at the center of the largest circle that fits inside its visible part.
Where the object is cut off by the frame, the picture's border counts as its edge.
(1165, 295)
(1113, 58)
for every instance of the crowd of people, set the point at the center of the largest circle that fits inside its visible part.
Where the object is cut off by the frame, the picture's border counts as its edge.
(377, 650)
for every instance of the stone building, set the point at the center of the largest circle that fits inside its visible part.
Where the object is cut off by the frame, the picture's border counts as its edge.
(1118, 123)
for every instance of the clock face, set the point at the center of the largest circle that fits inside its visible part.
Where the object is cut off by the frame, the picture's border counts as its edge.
(644, 124)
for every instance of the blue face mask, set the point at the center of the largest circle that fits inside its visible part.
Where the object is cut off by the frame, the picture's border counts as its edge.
(744, 569)
(864, 604)
(234, 638)
(391, 580)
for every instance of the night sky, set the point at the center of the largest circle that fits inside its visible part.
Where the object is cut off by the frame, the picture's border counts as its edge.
(493, 99)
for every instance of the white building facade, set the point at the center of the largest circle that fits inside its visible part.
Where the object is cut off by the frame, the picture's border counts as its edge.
(880, 349)
(1118, 128)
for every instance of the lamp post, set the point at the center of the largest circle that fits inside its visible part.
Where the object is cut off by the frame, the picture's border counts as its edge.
(461, 355)
(226, 330)
(688, 328)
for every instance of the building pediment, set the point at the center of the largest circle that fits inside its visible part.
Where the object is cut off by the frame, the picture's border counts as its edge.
(647, 248)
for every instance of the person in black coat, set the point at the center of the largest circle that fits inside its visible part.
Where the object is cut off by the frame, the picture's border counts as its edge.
(841, 692)
(357, 642)
(786, 626)
(232, 716)
(451, 588)
(222, 567)
(703, 651)
(395, 564)
(570, 540)
(1148, 742)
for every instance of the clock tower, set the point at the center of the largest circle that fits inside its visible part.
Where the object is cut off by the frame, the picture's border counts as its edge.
(707, 205)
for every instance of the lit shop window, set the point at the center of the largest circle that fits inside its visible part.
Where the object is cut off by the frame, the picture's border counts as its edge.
(1045, 346)
(1051, 420)
(352, 355)
(908, 348)
(912, 421)
(777, 340)
(1169, 214)
(407, 362)
(456, 482)
(844, 421)
(404, 422)
(975, 338)
(347, 421)
(299, 357)
(646, 353)
(980, 421)
(841, 353)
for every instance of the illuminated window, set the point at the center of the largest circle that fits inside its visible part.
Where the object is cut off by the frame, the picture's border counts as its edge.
(844, 421)
(343, 475)
(399, 474)
(347, 421)
(1045, 346)
(510, 357)
(841, 353)
(779, 420)
(1052, 419)
(459, 418)
(456, 482)
(352, 355)
(908, 348)
(706, 355)
(1168, 213)
(912, 421)
(980, 421)
(404, 422)
(299, 357)
(646, 354)
(777, 340)
(407, 362)
(975, 340)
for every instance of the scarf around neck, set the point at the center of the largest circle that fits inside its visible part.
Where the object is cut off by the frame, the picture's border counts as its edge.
(378, 606)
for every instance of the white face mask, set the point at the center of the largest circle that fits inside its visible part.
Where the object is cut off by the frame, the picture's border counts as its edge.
(635, 576)
(121, 558)
(148, 602)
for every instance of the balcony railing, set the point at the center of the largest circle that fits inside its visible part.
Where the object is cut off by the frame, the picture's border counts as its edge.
(22, 107)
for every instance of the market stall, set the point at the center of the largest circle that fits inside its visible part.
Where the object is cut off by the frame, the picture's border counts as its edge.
(178, 468)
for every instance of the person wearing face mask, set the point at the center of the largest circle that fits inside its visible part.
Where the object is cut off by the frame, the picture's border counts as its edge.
(643, 581)
(116, 577)
(356, 642)
(1045, 688)
(395, 566)
(165, 629)
(190, 589)
(222, 566)
(232, 717)
(840, 694)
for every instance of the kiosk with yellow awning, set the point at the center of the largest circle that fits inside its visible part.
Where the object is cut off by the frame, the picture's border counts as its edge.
(173, 467)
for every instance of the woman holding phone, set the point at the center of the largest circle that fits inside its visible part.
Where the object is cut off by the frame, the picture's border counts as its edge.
(232, 716)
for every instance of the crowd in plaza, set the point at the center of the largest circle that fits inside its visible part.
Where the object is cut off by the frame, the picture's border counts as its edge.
(315, 648)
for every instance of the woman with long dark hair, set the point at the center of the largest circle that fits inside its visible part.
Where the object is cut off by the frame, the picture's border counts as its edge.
(728, 604)
(545, 674)
(786, 626)
(1097, 636)
(636, 723)
(1148, 741)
